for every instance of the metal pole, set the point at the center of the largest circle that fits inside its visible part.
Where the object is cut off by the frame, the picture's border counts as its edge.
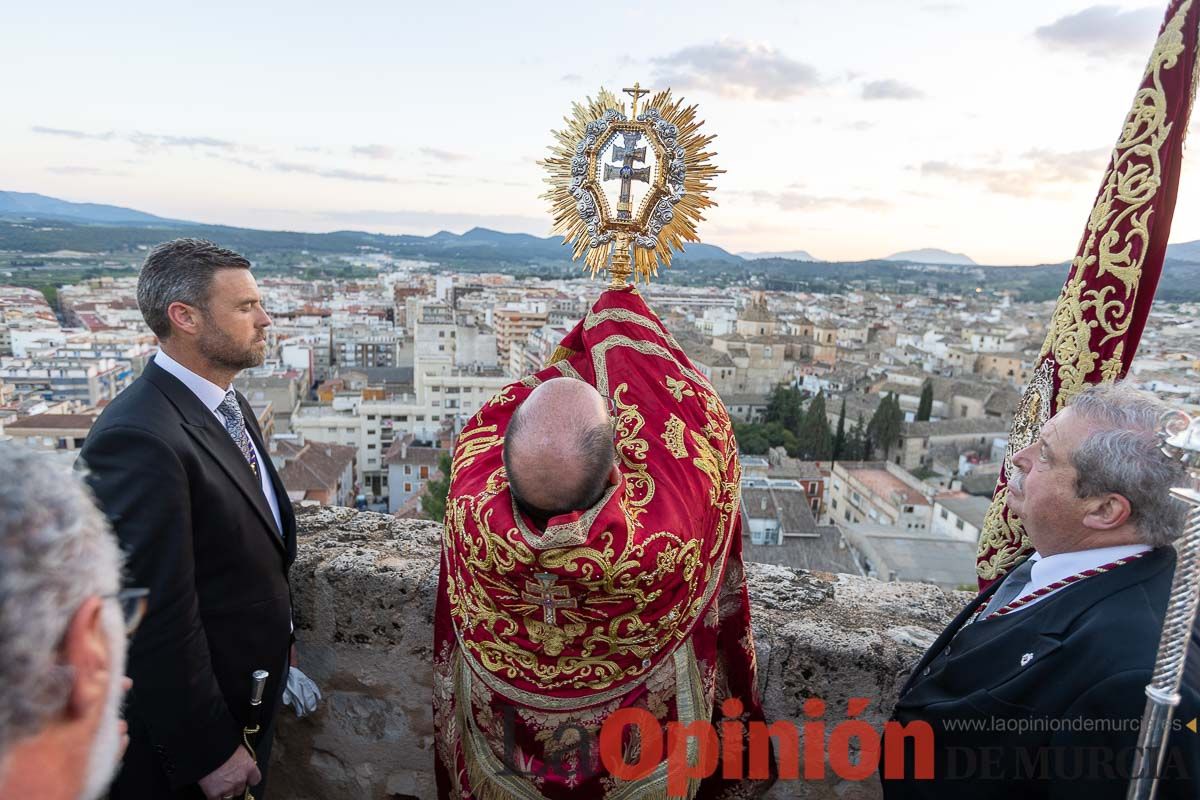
(1181, 440)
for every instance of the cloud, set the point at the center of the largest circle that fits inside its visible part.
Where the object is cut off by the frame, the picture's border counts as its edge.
(233, 153)
(72, 134)
(143, 141)
(571, 77)
(1038, 170)
(889, 89)
(154, 141)
(331, 172)
(736, 68)
(443, 155)
(75, 169)
(378, 152)
(1100, 31)
(801, 201)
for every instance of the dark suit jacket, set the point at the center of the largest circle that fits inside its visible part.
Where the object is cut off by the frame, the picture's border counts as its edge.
(198, 532)
(1046, 703)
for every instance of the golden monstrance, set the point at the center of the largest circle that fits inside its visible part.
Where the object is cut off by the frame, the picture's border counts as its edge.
(629, 190)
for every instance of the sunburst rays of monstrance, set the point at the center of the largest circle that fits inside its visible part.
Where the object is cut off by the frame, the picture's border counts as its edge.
(601, 152)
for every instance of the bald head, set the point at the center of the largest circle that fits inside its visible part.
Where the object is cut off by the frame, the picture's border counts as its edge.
(558, 449)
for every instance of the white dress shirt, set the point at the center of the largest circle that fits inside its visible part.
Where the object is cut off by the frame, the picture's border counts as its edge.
(1048, 569)
(212, 396)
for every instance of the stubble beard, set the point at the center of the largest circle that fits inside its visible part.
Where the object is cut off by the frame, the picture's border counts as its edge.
(222, 351)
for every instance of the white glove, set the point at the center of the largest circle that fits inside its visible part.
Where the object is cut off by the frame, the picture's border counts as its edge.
(301, 693)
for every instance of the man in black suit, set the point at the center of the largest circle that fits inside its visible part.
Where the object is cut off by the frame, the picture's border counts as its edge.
(1040, 694)
(179, 465)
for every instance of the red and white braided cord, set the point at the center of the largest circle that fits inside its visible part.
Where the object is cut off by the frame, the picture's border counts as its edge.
(1059, 584)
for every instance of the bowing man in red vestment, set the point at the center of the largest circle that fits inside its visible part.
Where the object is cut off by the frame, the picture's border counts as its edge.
(591, 567)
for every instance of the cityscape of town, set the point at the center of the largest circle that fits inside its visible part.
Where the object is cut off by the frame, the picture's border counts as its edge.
(872, 424)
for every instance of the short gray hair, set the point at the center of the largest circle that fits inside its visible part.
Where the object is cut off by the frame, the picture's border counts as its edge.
(180, 271)
(56, 550)
(1123, 455)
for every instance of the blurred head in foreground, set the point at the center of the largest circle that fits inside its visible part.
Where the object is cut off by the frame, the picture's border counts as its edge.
(62, 634)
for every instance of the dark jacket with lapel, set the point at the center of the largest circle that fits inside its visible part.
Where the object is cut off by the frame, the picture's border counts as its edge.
(1046, 702)
(198, 532)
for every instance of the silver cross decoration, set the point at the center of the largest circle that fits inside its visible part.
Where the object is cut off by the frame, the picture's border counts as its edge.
(625, 157)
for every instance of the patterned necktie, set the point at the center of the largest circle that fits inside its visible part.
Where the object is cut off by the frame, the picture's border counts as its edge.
(235, 424)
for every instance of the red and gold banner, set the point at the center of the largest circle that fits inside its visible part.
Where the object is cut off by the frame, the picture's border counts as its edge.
(638, 602)
(1102, 310)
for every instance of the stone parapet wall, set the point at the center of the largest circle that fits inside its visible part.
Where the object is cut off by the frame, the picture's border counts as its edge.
(365, 587)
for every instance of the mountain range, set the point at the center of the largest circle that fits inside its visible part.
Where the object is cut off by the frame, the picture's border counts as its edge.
(39, 206)
(931, 255)
(93, 227)
(794, 255)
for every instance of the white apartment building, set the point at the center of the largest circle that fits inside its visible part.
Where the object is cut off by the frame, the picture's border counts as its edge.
(88, 381)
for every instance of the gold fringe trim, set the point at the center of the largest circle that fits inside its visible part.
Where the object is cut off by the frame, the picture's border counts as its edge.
(560, 354)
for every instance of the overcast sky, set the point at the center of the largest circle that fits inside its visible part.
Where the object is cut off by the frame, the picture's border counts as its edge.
(851, 130)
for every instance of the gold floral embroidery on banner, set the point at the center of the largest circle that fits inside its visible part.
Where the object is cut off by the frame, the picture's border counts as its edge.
(1118, 226)
(1116, 243)
(673, 437)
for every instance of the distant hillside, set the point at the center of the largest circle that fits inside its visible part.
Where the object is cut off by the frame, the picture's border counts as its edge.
(1184, 251)
(931, 255)
(39, 206)
(30, 231)
(794, 255)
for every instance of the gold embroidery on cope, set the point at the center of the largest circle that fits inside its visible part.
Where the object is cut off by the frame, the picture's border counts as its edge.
(566, 370)
(673, 436)
(472, 444)
(490, 615)
(639, 486)
(678, 389)
(569, 534)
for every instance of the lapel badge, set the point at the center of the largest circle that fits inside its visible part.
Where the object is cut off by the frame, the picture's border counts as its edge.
(1025, 659)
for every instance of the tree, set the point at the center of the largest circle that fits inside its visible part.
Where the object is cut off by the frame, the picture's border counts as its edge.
(814, 440)
(925, 407)
(50, 292)
(885, 426)
(839, 438)
(755, 439)
(433, 501)
(784, 406)
(858, 446)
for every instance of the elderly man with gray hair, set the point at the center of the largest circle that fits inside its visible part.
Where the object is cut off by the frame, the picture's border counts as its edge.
(62, 636)
(1036, 689)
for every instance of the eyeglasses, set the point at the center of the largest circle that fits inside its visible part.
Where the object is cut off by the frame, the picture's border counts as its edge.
(133, 604)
